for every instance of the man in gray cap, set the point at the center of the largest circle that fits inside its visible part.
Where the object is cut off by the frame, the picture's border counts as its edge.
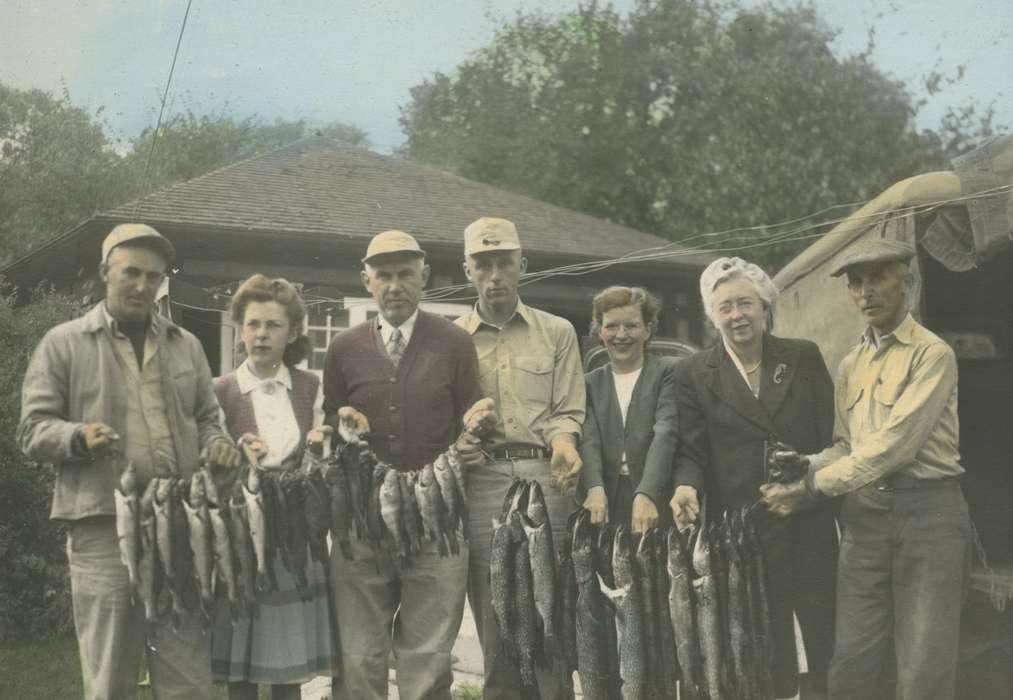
(407, 378)
(906, 547)
(531, 367)
(121, 385)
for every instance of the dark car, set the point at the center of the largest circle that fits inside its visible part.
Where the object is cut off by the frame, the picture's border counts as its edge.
(598, 355)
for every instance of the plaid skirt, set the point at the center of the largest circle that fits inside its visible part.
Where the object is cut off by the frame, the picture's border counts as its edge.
(286, 640)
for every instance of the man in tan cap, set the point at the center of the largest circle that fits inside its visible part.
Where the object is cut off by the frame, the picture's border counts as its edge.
(121, 385)
(407, 378)
(531, 367)
(905, 553)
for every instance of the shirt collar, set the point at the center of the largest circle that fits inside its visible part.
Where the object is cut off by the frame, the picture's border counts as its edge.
(903, 333)
(114, 325)
(406, 328)
(474, 320)
(248, 381)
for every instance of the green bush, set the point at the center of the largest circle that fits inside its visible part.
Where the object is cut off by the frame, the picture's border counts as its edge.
(34, 584)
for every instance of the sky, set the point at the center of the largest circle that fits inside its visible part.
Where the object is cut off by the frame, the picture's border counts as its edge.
(355, 62)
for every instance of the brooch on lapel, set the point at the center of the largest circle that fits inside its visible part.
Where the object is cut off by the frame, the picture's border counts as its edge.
(779, 372)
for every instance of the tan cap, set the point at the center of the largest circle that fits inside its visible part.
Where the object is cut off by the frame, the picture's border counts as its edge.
(135, 232)
(392, 242)
(489, 234)
(873, 250)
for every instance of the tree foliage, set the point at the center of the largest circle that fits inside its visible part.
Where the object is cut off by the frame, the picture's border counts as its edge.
(58, 166)
(680, 118)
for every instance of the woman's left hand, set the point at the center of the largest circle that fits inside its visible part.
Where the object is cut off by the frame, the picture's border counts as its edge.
(645, 513)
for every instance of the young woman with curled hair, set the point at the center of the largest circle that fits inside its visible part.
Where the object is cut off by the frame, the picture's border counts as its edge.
(753, 388)
(277, 408)
(630, 428)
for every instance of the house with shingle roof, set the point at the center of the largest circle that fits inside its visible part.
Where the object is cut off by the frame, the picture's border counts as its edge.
(306, 212)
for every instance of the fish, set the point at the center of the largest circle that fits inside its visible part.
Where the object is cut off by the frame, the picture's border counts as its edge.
(680, 610)
(336, 478)
(392, 512)
(147, 570)
(201, 545)
(276, 509)
(256, 520)
(603, 554)
(128, 526)
(163, 524)
(432, 509)
(738, 616)
(412, 517)
(451, 494)
(318, 508)
(181, 586)
(668, 671)
(221, 542)
(242, 543)
(454, 460)
(543, 571)
(643, 578)
(592, 615)
(705, 589)
(567, 604)
(501, 583)
(293, 488)
(629, 619)
(763, 640)
(525, 631)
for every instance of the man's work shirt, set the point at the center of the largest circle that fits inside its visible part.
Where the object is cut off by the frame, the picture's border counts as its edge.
(896, 412)
(531, 368)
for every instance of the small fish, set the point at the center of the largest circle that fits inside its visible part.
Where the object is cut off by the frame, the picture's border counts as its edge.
(451, 494)
(293, 487)
(392, 512)
(276, 508)
(680, 609)
(340, 509)
(543, 571)
(454, 460)
(318, 509)
(375, 528)
(412, 518)
(225, 567)
(163, 527)
(201, 542)
(256, 520)
(526, 632)
(432, 509)
(242, 543)
(148, 565)
(501, 583)
(128, 525)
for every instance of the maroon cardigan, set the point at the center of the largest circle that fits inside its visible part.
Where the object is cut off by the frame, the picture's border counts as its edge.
(414, 411)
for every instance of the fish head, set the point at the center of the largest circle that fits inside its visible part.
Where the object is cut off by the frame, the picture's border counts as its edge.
(521, 496)
(702, 552)
(537, 510)
(128, 479)
(508, 497)
(198, 490)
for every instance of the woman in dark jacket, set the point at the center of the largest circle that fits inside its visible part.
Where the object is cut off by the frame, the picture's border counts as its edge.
(749, 390)
(629, 432)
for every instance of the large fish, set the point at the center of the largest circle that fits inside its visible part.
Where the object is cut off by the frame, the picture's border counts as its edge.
(593, 655)
(225, 567)
(680, 609)
(163, 524)
(148, 565)
(705, 588)
(433, 510)
(412, 517)
(738, 615)
(256, 520)
(318, 507)
(128, 525)
(342, 517)
(526, 634)
(567, 605)
(668, 673)
(293, 485)
(392, 512)
(542, 550)
(644, 579)
(242, 543)
(501, 588)
(629, 619)
(201, 538)
(763, 640)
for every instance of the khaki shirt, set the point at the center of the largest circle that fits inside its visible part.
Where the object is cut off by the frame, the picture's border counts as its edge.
(896, 412)
(531, 368)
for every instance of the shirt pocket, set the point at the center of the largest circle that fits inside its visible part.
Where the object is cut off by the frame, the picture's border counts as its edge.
(887, 390)
(854, 395)
(533, 378)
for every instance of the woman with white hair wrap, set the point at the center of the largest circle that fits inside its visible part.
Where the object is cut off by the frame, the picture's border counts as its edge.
(750, 391)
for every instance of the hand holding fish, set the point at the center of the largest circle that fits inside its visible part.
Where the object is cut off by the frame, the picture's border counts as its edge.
(785, 499)
(645, 514)
(481, 417)
(685, 506)
(98, 436)
(469, 449)
(222, 453)
(565, 463)
(316, 438)
(597, 504)
(253, 447)
(352, 424)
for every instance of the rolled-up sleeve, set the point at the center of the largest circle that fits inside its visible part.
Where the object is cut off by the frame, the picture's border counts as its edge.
(916, 412)
(44, 433)
(567, 411)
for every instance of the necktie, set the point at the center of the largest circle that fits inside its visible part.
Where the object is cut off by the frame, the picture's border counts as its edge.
(395, 347)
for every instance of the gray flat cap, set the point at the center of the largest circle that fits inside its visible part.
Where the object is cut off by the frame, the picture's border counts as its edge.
(125, 233)
(872, 250)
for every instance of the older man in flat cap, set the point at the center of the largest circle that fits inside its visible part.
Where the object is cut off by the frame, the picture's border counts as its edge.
(530, 364)
(407, 377)
(905, 553)
(121, 385)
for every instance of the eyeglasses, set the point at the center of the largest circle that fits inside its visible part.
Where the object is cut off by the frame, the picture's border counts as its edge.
(628, 326)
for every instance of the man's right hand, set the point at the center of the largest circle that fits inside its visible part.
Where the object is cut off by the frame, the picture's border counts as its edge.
(469, 450)
(98, 436)
(597, 504)
(685, 506)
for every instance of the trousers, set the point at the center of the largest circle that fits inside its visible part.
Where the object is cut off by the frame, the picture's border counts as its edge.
(111, 628)
(902, 577)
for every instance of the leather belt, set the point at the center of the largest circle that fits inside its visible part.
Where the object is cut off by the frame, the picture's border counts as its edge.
(515, 451)
(902, 482)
